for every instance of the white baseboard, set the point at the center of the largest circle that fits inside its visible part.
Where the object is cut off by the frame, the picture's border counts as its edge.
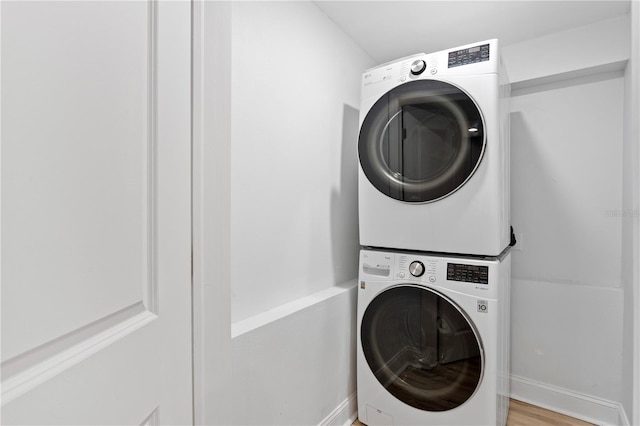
(580, 406)
(564, 401)
(622, 417)
(344, 415)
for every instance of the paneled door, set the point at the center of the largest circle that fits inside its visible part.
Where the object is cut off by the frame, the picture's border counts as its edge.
(96, 217)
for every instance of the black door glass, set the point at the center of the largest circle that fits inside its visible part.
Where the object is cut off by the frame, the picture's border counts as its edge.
(421, 348)
(421, 141)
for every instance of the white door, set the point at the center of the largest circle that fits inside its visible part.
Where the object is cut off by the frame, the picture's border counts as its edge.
(96, 244)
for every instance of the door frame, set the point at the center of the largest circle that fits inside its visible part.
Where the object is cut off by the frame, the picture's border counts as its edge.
(211, 198)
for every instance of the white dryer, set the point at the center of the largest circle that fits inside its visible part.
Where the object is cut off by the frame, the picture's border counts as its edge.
(434, 153)
(433, 339)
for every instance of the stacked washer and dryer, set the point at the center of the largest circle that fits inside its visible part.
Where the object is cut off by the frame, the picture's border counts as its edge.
(434, 277)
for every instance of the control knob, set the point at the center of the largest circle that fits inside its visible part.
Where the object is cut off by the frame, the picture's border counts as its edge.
(418, 66)
(416, 268)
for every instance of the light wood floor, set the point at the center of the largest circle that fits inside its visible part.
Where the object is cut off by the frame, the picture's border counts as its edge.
(521, 414)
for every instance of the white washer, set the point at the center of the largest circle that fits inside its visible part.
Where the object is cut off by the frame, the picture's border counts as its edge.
(433, 339)
(434, 153)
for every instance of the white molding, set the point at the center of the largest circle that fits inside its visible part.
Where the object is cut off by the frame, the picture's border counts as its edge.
(152, 419)
(569, 78)
(211, 212)
(634, 70)
(150, 295)
(29, 370)
(344, 414)
(623, 420)
(279, 345)
(580, 406)
(252, 323)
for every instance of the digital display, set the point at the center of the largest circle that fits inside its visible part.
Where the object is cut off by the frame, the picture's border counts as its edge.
(468, 56)
(468, 273)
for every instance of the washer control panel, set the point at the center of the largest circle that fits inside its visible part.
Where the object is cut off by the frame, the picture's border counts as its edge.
(481, 277)
(410, 267)
(468, 273)
(456, 273)
(376, 264)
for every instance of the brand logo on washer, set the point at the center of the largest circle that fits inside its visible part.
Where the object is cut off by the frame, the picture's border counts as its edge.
(483, 306)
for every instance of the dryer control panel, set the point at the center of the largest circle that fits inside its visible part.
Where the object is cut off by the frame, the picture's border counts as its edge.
(471, 59)
(470, 55)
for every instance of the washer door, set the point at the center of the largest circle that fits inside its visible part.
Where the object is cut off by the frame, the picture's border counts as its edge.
(422, 348)
(421, 141)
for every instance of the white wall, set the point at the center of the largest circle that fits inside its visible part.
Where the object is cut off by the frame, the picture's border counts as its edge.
(294, 239)
(575, 51)
(567, 199)
(567, 178)
(566, 195)
(295, 94)
(298, 366)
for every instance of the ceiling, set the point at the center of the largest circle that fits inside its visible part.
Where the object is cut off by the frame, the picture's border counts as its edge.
(388, 30)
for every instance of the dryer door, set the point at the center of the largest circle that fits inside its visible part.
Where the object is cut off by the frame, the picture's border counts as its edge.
(421, 141)
(422, 348)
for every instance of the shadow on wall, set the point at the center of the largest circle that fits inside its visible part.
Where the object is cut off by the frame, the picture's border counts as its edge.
(540, 208)
(566, 182)
(345, 240)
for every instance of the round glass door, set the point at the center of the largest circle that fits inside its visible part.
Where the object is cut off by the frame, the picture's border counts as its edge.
(422, 348)
(421, 141)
